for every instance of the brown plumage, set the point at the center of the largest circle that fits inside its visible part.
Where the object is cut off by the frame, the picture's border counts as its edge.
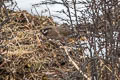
(56, 32)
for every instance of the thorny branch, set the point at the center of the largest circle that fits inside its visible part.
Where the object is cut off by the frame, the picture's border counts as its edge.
(100, 21)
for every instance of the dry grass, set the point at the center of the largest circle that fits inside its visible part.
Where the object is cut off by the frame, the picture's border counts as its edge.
(28, 55)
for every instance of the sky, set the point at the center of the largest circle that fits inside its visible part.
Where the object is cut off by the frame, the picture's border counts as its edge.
(27, 5)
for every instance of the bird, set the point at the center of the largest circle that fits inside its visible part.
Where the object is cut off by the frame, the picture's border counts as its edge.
(56, 32)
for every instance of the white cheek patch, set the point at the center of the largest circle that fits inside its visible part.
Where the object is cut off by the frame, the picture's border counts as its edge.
(45, 31)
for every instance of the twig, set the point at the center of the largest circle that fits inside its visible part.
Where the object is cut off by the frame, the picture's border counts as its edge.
(66, 48)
